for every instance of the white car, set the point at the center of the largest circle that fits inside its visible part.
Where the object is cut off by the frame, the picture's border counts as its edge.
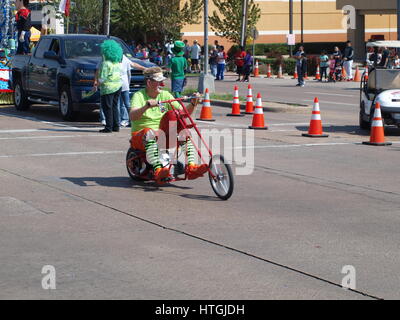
(383, 86)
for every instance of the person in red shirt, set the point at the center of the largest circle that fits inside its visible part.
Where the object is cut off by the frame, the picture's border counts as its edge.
(239, 61)
(23, 19)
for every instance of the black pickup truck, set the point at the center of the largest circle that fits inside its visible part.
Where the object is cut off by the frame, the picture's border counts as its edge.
(61, 72)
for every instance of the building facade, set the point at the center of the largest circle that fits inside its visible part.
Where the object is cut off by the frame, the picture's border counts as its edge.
(323, 21)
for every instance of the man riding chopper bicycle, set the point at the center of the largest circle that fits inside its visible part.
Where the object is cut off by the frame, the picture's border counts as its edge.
(148, 117)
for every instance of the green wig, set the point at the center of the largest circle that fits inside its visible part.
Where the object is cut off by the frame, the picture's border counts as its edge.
(112, 51)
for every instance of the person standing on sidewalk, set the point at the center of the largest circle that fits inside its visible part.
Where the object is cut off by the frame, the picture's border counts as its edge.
(213, 61)
(248, 66)
(324, 64)
(348, 60)
(195, 56)
(239, 61)
(221, 63)
(177, 67)
(299, 55)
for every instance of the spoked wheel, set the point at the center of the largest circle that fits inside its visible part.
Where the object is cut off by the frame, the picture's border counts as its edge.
(136, 168)
(221, 177)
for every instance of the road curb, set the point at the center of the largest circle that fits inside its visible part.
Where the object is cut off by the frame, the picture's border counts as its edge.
(269, 106)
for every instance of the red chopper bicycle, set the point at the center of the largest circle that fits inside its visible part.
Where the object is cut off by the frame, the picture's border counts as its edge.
(219, 173)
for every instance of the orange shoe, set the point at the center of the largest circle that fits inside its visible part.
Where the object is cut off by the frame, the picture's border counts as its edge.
(196, 171)
(161, 173)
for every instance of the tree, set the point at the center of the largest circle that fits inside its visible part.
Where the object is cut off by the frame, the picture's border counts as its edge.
(87, 14)
(159, 17)
(227, 21)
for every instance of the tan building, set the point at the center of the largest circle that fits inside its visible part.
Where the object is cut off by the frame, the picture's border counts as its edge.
(323, 21)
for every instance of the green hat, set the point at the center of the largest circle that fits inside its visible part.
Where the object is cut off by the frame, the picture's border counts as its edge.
(178, 48)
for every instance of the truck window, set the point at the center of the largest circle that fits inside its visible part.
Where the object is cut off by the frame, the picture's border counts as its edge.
(42, 47)
(55, 46)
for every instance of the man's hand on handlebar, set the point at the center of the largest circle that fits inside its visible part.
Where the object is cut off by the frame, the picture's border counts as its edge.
(151, 104)
(195, 99)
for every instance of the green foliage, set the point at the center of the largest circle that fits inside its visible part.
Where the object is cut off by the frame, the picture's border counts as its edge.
(164, 19)
(288, 65)
(227, 20)
(87, 14)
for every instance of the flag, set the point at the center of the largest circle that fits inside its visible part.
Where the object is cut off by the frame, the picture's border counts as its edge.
(64, 7)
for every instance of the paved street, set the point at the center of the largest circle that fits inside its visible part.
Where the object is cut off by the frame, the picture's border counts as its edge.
(309, 208)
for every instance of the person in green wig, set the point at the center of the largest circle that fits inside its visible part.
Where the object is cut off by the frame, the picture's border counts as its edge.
(177, 66)
(110, 83)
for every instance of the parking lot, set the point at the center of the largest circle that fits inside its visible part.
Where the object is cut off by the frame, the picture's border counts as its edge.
(308, 208)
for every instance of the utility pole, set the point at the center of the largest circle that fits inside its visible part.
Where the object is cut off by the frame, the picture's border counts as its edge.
(302, 20)
(206, 80)
(106, 17)
(398, 19)
(291, 22)
(243, 35)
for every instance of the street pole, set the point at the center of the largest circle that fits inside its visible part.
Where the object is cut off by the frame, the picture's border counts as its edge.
(206, 80)
(205, 67)
(302, 20)
(291, 22)
(106, 17)
(398, 19)
(245, 5)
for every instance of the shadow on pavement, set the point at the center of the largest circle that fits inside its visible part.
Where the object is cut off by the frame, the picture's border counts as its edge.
(354, 130)
(146, 186)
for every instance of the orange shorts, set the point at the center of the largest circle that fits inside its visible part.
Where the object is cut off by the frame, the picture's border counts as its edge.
(140, 138)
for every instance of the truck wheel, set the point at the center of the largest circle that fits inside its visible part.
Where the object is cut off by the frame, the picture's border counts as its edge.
(365, 125)
(21, 101)
(66, 105)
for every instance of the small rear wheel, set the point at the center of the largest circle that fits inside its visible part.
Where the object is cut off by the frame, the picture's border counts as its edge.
(221, 177)
(363, 124)
(136, 168)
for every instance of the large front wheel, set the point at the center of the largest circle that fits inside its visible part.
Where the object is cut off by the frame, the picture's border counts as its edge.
(221, 177)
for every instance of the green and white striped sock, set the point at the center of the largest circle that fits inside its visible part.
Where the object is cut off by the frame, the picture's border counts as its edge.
(152, 154)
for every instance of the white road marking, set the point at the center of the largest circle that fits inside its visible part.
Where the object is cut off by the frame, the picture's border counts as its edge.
(61, 154)
(332, 94)
(53, 137)
(339, 103)
(246, 147)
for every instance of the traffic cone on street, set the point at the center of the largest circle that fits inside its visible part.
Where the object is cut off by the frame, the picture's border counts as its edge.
(377, 137)
(258, 116)
(256, 71)
(296, 75)
(280, 73)
(357, 76)
(235, 105)
(269, 73)
(315, 130)
(317, 74)
(344, 74)
(249, 103)
(306, 76)
(206, 111)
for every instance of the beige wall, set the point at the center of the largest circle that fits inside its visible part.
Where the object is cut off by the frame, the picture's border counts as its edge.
(322, 22)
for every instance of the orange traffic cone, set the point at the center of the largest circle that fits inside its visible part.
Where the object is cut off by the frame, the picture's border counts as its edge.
(344, 74)
(305, 76)
(256, 71)
(280, 73)
(357, 76)
(317, 74)
(206, 111)
(315, 130)
(377, 137)
(249, 103)
(235, 105)
(269, 73)
(258, 117)
(296, 75)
